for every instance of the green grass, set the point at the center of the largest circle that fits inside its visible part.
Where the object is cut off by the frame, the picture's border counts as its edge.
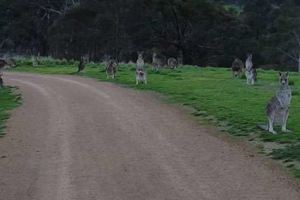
(8, 100)
(290, 153)
(214, 95)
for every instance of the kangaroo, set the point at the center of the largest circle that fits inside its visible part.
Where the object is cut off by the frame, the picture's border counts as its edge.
(237, 67)
(157, 62)
(3, 64)
(277, 109)
(140, 76)
(111, 69)
(86, 58)
(250, 71)
(140, 61)
(11, 62)
(172, 63)
(6, 64)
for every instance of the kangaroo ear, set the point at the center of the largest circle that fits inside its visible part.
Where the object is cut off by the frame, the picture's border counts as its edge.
(287, 74)
(280, 74)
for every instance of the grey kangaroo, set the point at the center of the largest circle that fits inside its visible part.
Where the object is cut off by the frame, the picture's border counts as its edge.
(250, 71)
(140, 61)
(172, 63)
(3, 64)
(11, 62)
(140, 74)
(111, 68)
(157, 61)
(237, 67)
(278, 107)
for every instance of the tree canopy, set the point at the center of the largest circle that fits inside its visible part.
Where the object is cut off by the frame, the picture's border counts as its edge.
(206, 32)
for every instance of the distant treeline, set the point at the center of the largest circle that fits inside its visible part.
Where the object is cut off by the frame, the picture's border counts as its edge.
(206, 32)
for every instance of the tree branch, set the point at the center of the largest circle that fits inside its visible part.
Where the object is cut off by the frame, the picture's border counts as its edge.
(289, 55)
(51, 10)
(297, 37)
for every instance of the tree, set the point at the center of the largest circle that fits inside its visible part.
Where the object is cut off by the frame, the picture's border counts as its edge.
(285, 37)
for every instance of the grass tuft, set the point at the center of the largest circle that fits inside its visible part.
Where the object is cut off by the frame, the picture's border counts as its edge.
(8, 101)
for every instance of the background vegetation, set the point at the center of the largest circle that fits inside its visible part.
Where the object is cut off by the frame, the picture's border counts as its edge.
(207, 32)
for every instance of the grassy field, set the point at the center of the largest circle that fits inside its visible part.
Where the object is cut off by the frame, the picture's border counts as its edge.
(8, 100)
(217, 98)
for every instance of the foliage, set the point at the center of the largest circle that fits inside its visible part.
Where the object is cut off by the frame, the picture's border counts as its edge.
(206, 32)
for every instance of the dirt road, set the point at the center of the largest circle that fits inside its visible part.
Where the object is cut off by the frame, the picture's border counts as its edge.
(79, 139)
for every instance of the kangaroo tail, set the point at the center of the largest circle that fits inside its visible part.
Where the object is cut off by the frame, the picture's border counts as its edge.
(263, 127)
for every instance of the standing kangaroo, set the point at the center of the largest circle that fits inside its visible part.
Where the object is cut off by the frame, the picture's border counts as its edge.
(250, 71)
(278, 107)
(140, 61)
(157, 62)
(111, 68)
(140, 74)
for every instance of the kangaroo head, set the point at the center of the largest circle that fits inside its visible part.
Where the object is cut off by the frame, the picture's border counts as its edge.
(250, 56)
(284, 78)
(140, 54)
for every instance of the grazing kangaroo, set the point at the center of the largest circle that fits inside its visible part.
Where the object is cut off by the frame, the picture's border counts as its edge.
(157, 62)
(11, 62)
(81, 65)
(250, 71)
(5, 63)
(237, 67)
(278, 107)
(172, 63)
(111, 68)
